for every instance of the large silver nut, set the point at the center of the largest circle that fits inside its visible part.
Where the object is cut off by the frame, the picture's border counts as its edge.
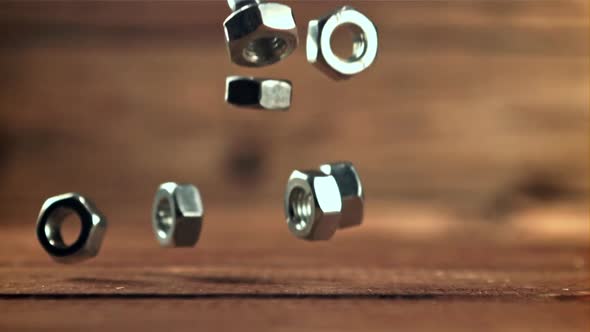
(364, 45)
(259, 93)
(351, 191)
(177, 215)
(260, 34)
(92, 228)
(313, 206)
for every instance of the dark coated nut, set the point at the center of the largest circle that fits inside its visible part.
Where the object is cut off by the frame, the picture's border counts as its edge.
(53, 213)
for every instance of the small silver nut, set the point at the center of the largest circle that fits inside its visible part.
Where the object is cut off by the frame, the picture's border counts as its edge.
(313, 206)
(237, 4)
(260, 93)
(260, 34)
(364, 46)
(92, 228)
(351, 191)
(177, 214)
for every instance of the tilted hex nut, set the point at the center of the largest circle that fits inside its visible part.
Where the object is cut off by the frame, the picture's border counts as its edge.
(92, 228)
(260, 93)
(351, 191)
(260, 34)
(364, 47)
(177, 215)
(313, 206)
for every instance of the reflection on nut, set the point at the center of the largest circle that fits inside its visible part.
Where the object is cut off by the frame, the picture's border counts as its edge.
(177, 215)
(260, 34)
(312, 205)
(364, 45)
(260, 93)
(54, 212)
(351, 191)
(237, 4)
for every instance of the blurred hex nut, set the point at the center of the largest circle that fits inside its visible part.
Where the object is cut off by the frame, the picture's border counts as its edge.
(260, 34)
(54, 212)
(260, 93)
(351, 191)
(364, 45)
(313, 206)
(237, 4)
(177, 215)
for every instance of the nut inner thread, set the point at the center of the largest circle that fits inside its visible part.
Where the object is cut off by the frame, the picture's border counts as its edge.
(164, 216)
(356, 35)
(265, 50)
(300, 208)
(53, 227)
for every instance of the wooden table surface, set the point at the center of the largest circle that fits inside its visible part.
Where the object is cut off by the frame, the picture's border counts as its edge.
(470, 133)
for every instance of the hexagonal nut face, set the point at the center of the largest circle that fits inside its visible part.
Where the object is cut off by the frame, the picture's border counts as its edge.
(258, 93)
(351, 189)
(364, 46)
(313, 206)
(54, 212)
(260, 34)
(177, 215)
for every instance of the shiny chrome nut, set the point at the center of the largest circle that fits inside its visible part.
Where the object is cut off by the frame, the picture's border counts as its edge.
(177, 215)
(260, 93)
(313, 206)
(351, 191)
(237, 4)
(364, 46)
(92, 228)
(260, 34)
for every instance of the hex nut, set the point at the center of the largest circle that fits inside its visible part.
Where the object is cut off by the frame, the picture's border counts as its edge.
(312, 205)
(51, 217)
(365, 43)
(260, 34)
(177, 215)
(258, 93)
(351, 191)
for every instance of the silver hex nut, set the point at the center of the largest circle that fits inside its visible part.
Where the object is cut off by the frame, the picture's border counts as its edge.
(313, 206)
(351, 191)
(364, 46)
(54, 212)
(259, 93)
(177, 215)
(260, 34)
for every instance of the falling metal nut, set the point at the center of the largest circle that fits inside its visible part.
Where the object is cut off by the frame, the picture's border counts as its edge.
(177, 215)
(313, 206)
(53, 213)
(259, 34)
(364, 47)
(351, 191)
(259, 93)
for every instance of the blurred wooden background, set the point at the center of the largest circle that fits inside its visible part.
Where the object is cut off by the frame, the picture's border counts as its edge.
(471, 104)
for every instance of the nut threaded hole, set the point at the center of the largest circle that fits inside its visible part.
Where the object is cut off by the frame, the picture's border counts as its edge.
(265, 50)
(342, 38)
(301, 208)
(63, 228)
(164, 216)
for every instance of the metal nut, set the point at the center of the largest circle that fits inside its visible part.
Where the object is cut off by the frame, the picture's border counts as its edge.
(351, 191)
(260, 93)
(364, 46)
(313, 206)
(260, 34)
(177, 215)
(53, 213)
